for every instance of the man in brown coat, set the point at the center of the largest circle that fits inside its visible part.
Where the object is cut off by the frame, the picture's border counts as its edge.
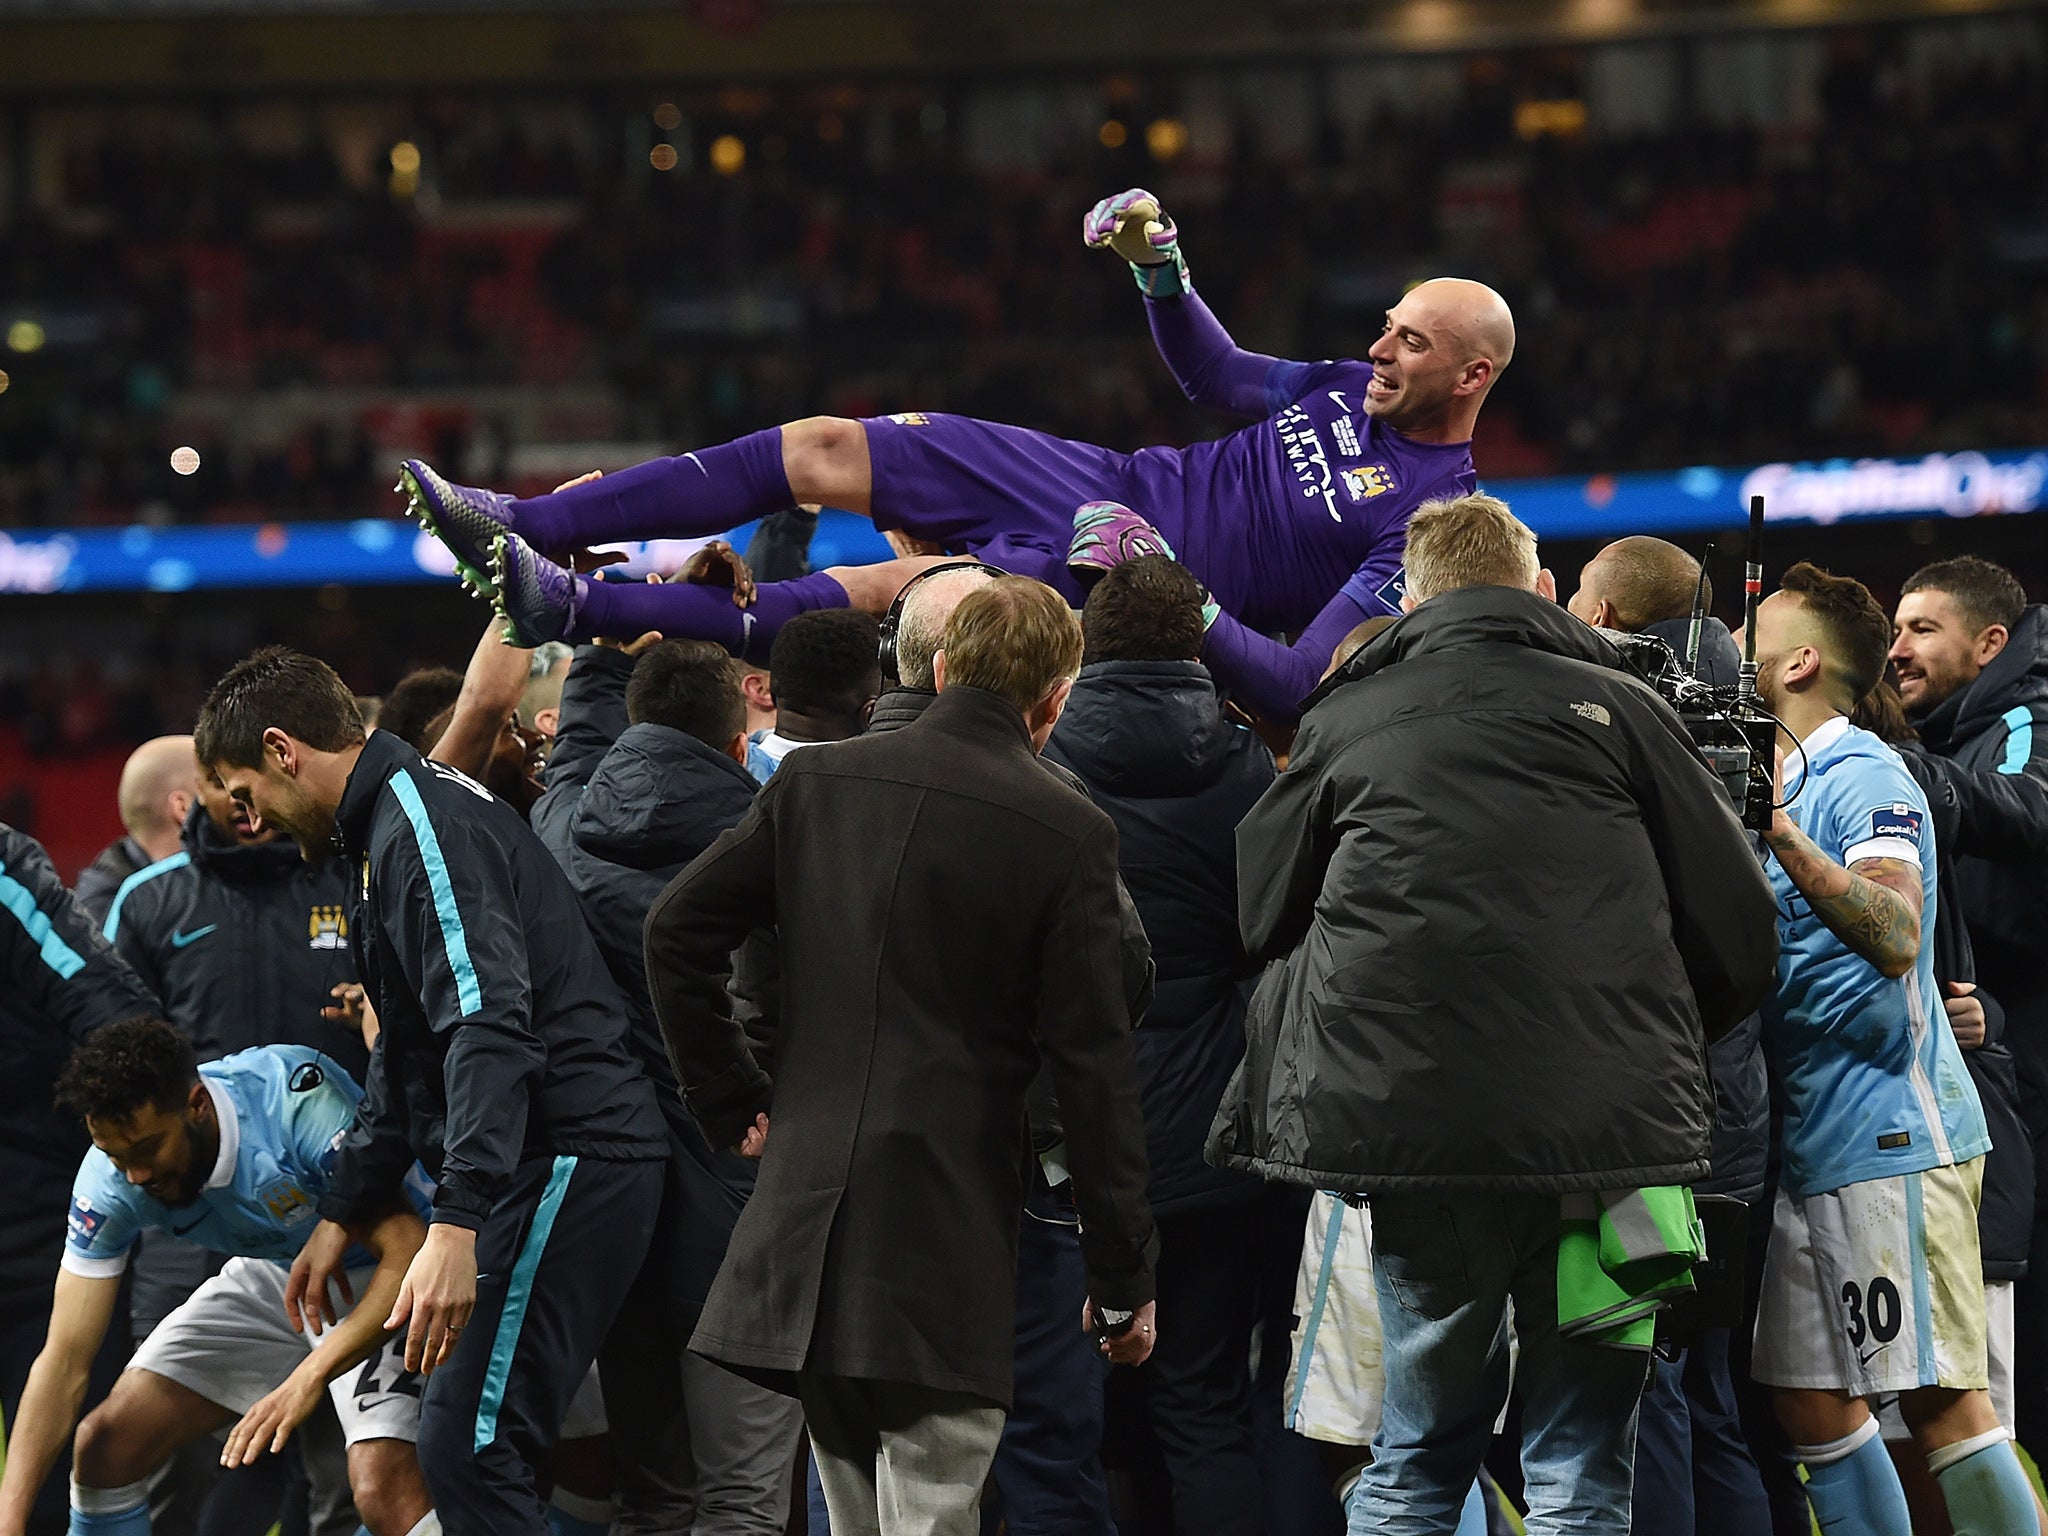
(948, 914)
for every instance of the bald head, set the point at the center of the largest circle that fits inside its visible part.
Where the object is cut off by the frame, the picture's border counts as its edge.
(1357, 639)
(1444, 345)
(158, 785)
(922, 624)
(1636, 582)
(1473, 313)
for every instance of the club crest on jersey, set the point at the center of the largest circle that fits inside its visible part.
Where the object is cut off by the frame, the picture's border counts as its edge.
(910, 419)
(327, 927)
(285, 1200)
(1896, 820)
(85, 1222)
(1370, 481)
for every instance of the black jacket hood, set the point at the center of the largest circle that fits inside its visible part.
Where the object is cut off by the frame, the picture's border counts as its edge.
(1146, 729)
(660, 797)
(220, 855)
(1476, 616)
(2016, 676)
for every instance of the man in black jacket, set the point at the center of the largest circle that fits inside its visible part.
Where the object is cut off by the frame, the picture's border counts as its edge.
(1144, 730)
(59, 981)
(1513, 903)
(1971, 656)
(647, 771)
(502, 1066)
(873, 1270)
(1694, 1466)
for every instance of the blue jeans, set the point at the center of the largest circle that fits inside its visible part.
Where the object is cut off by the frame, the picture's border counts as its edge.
(1447, 1266)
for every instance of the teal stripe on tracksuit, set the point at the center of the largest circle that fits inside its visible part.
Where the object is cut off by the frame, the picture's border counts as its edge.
(1315, 1311)
(468, 992)
(57, 955)
(142, 876)
(2019, 739)
(1923, 1305)
(517, 1292)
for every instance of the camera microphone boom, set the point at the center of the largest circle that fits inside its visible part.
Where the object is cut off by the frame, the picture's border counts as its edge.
(1731, 730)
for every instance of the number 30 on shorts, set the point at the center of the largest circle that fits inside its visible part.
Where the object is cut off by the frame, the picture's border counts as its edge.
(1873, 1311)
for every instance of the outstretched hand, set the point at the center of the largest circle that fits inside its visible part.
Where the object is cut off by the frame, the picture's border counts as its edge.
(268, 1425)
(718, 564)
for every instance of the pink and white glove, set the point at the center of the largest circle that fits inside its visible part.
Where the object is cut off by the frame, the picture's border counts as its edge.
(1134, 226)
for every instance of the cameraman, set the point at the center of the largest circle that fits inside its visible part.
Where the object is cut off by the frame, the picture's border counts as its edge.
(1694, 1469)
(1511, 900)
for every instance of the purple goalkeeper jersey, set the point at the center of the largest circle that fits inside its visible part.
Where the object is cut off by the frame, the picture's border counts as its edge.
(1296, 524)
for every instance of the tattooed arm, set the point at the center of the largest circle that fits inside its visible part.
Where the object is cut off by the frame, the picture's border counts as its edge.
(1873, 906)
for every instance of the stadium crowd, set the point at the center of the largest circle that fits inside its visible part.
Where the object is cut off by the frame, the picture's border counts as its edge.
(1306, 1044)
(1693, 290)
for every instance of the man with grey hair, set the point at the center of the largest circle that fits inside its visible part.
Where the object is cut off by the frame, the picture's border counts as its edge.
(159, 783)
(1500, 992)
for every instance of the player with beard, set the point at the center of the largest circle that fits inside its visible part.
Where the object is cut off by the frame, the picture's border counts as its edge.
(1972, 660)
(1872, 1283)
(1295, 524)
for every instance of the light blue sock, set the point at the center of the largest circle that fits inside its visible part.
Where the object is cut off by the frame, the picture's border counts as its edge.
(1472, 1519)
(582, 1516)
(1986, 1488)
(1853, 1487)
(112, 1512)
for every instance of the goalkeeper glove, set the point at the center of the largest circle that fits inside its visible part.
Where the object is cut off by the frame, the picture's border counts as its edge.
(1134, 226)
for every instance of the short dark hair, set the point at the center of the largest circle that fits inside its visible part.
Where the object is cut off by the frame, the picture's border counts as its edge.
(416, 701)
(1984, 593)
(126, 1066)
(690, 686)
(826, 662)
(1646, 581)
(1859, 635)
(276, 687)
(1147, 609)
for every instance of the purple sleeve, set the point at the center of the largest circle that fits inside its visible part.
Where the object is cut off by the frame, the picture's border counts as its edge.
(1269, 675)
(1273, 678)
(1214, 371)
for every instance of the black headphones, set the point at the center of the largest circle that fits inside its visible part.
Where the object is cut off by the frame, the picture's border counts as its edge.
(892, 621)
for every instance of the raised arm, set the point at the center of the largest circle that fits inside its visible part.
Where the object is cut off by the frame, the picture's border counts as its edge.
(1212, 370)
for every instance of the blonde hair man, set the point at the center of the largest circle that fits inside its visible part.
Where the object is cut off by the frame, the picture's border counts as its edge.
(950, 912)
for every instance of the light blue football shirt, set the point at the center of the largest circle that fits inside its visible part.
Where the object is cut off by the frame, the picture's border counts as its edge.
(282, 1110)
(1874, 1082)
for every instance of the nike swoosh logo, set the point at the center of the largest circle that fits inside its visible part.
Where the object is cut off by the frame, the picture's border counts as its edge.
(746, 630)
(1866, 1359)
(188, 1227)
(1338, 396)
(699, 463)
(180, 940)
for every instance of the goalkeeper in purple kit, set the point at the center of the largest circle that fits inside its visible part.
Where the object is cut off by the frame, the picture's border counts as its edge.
(1295, 525)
